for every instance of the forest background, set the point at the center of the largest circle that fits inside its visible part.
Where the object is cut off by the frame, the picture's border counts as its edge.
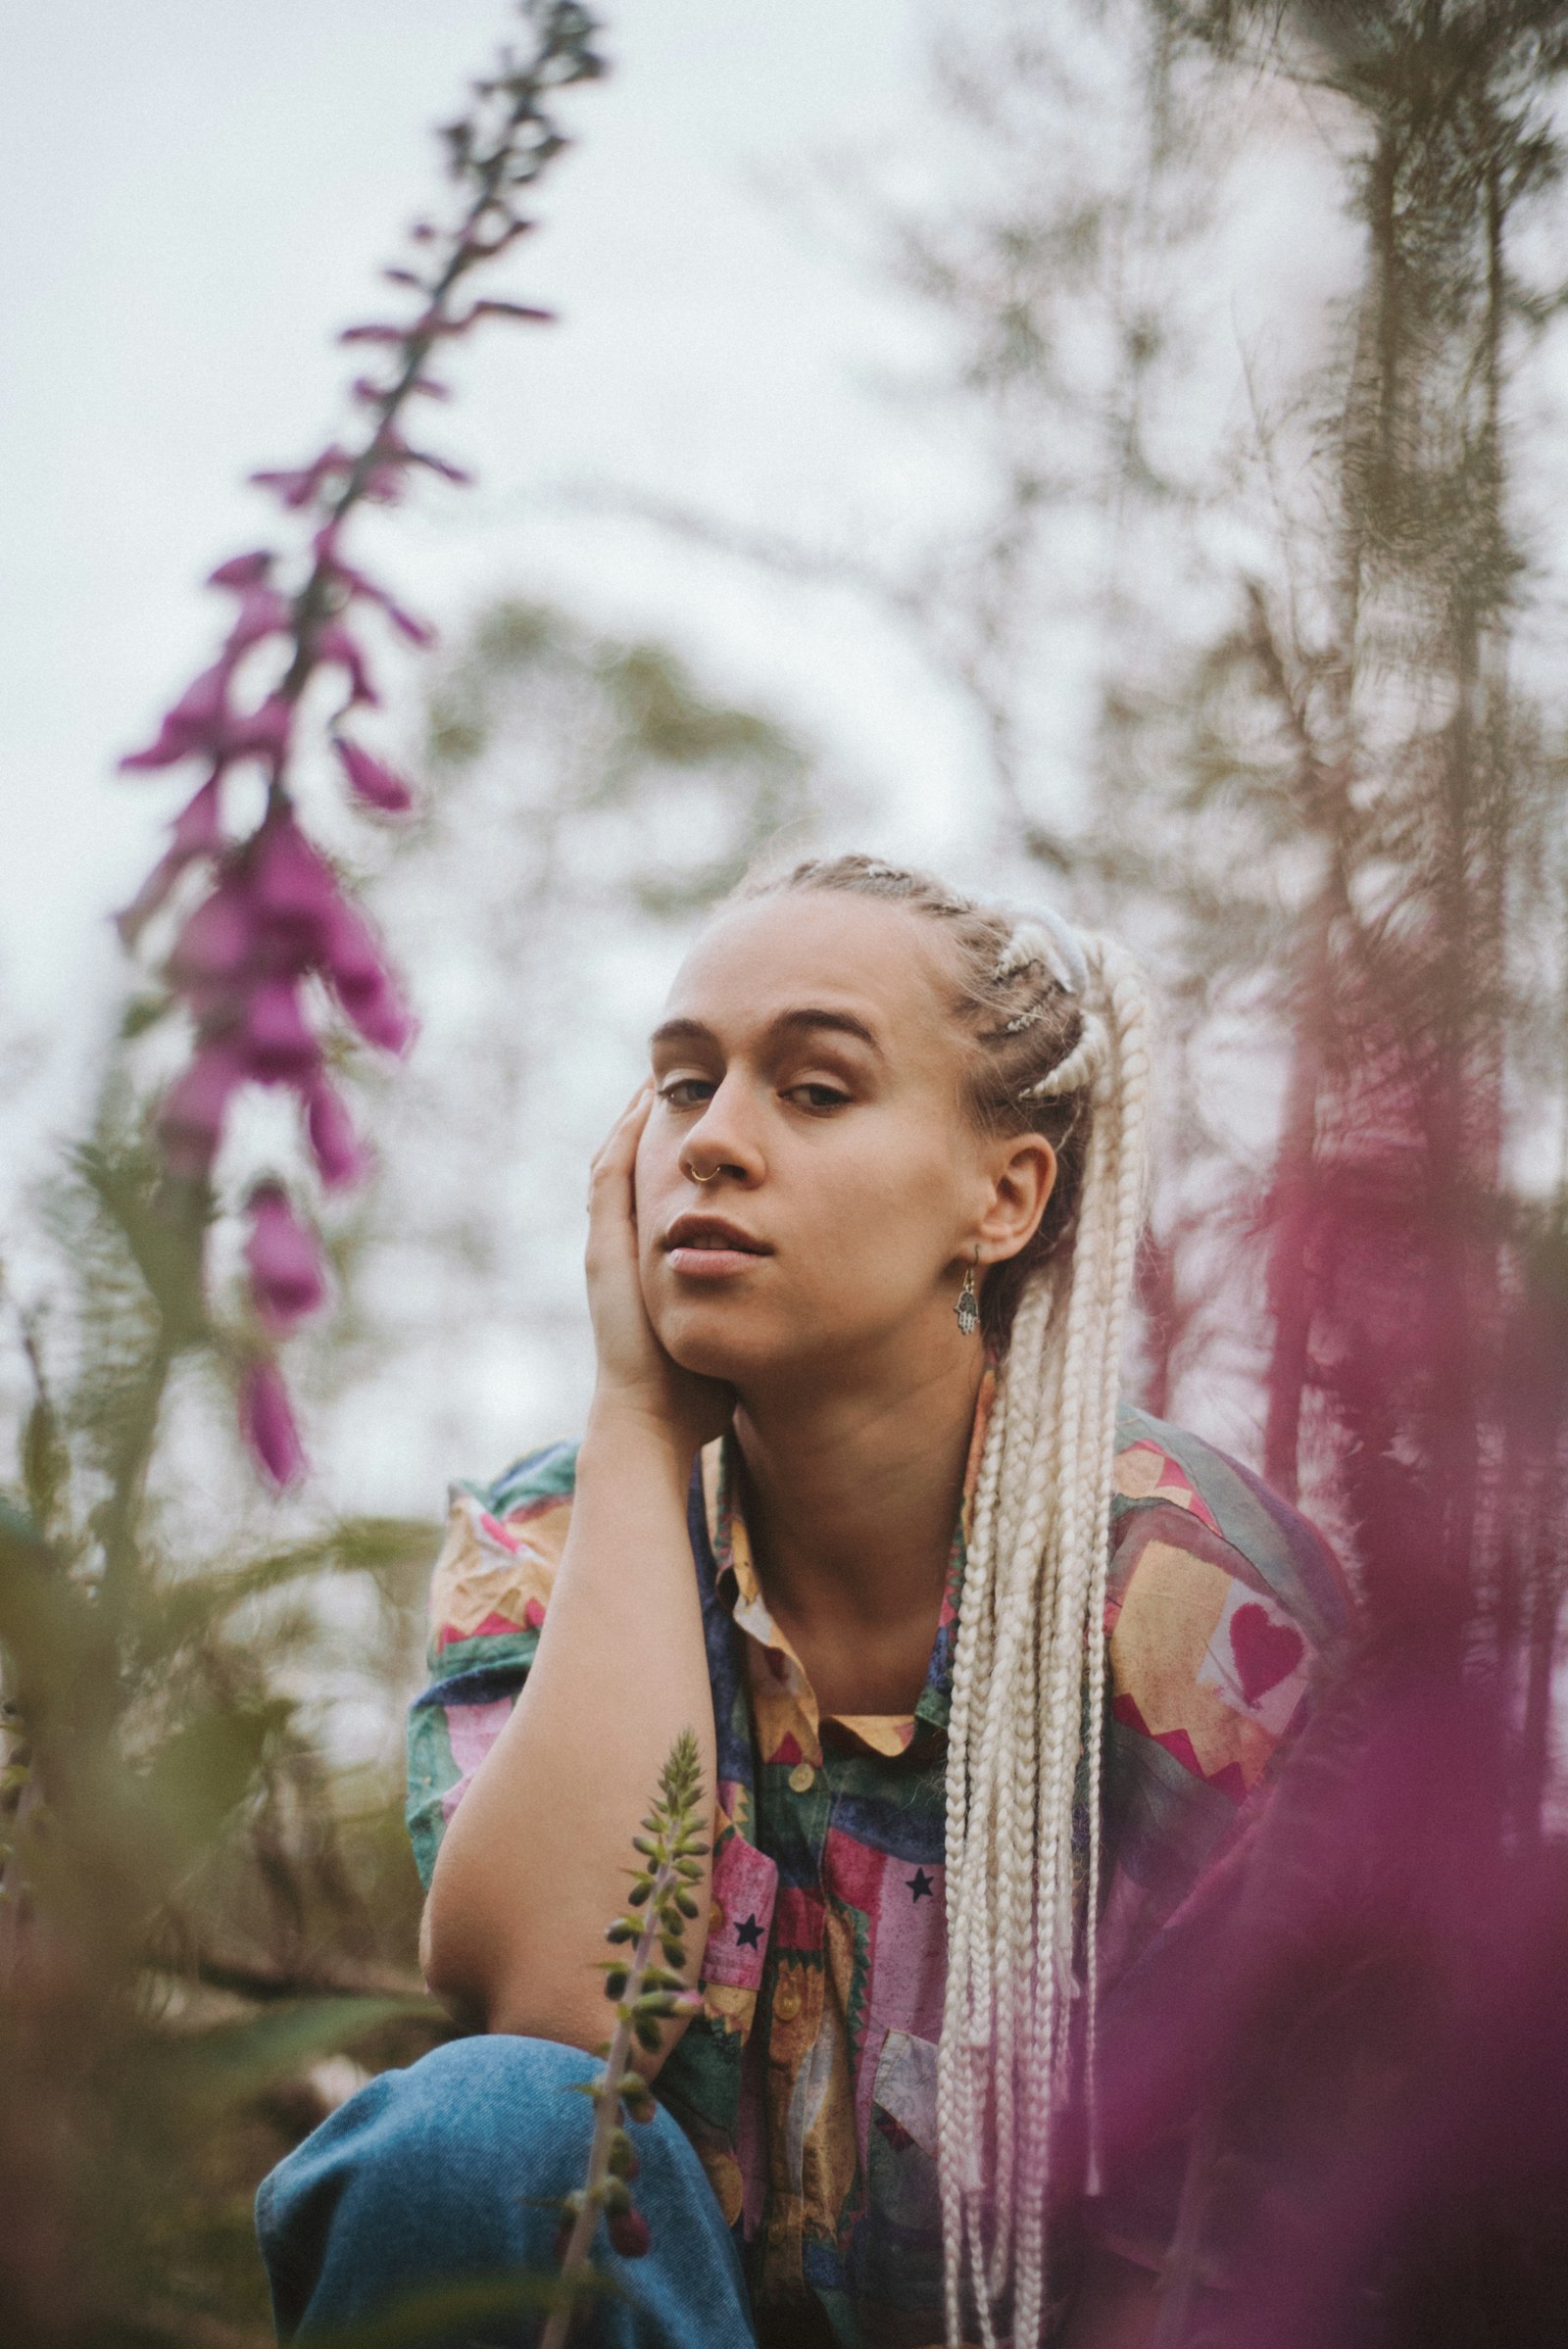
(1110, 449)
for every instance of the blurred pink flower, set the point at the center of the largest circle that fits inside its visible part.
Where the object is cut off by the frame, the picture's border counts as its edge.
(355, 970)
(266, 1423)
(195, 832)
(275, 1042)
(340, 1156)
(334, 643)
(417, 631)
(368, 780)
(217, 950)
(191, 724)
(263, 611)
(295, 888)
(243, 570)
(287, 1280)
(297, 485)
(202, 724)
(190, 1117)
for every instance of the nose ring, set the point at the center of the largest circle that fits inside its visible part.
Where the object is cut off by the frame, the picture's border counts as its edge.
(706, 1178)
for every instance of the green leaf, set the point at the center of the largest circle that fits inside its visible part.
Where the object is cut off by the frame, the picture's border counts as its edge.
(373, 1545)
(201, 1774)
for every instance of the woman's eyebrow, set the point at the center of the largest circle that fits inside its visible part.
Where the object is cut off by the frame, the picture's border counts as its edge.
(841, 1023)
(681, 1031)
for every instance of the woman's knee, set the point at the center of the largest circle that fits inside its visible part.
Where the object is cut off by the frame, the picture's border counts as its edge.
(448, 2167)
(471, 2117)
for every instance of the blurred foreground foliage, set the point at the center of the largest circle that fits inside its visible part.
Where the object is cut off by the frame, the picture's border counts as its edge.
(208, 1908)
(195, 1915)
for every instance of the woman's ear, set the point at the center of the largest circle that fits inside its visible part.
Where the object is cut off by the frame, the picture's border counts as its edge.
(1023, 1175)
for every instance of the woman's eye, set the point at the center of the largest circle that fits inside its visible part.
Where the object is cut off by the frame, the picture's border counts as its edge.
(684, 1092)
(818, 1097)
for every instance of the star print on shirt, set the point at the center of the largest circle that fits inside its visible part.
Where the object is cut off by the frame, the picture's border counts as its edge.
(749, 1934)
(919, 1882)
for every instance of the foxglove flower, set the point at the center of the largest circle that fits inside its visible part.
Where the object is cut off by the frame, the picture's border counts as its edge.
(340, 1157)
(375, 785)
(276, 911)
(295, 889)
(354, 969)
(195, 832)
(336, 645)
(275, 1041)
(287, 1282)
(191, 726)
(218, 947)
(202, 724)
(191, 1115)
(266, 1423)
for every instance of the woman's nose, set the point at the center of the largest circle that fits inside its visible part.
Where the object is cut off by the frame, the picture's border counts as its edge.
(723, 1140)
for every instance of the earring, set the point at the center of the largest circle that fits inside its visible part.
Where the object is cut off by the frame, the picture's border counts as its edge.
(968, 1307)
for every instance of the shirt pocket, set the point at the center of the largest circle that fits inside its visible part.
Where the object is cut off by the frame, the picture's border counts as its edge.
(901, 2262)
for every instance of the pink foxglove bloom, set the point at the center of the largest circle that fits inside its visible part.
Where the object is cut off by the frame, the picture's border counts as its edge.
(375, 785)
(276, 911)
(297, 486)
(243, 570)
(266, 1423)
(202, 724)
(417, 631)
(263, 612)
(192, 724)
(296, 890)
(191, 1114)
(340, 1157)
(354, 968)
(337, 645)
(287, 1280)
(275, 1041)
(218, 947)
(195, 832)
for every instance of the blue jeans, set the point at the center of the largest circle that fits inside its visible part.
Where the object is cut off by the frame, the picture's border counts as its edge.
(422, 2180)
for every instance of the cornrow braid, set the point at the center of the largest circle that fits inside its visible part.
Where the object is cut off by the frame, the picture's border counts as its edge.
(1058, 1031)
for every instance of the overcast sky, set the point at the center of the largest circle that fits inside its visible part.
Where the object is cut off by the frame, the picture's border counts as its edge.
(195, 195)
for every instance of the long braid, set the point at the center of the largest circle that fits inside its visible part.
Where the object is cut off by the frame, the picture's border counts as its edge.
(1058, 1028)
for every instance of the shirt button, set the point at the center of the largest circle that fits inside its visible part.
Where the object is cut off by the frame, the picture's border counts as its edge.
(802, 1777)
(716, 1919)
(787, 2003)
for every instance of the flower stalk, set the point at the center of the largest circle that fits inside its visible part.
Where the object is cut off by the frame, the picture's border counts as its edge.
(270, 956)
(645, 1982)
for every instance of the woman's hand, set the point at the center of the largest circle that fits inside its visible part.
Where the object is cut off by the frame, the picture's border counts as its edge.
(635, 1373)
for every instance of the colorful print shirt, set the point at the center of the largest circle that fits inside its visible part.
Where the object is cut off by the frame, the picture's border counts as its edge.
(808, 2083)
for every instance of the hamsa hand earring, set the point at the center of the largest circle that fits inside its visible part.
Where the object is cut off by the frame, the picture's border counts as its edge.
(968, 1307)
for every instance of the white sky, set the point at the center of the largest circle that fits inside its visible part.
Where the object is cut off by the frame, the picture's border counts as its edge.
(194, 197)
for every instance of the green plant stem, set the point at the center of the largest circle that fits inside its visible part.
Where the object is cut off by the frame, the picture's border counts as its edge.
(607, 2111)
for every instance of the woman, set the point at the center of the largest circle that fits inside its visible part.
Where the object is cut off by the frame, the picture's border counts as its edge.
(859, 1264)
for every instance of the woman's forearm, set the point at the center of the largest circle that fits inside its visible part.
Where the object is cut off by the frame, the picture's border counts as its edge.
(533, 1865)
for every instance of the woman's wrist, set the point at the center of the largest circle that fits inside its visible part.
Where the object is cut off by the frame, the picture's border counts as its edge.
(631, 1432)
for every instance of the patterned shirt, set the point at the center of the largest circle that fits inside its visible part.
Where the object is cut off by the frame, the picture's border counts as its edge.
(808, 2082)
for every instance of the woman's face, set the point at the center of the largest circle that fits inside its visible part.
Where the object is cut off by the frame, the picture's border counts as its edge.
(810, 1055)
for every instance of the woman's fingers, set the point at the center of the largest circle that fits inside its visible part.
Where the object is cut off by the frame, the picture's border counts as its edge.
(618, 1149)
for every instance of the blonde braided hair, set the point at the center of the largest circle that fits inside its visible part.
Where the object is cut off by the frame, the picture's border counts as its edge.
(1059, 1030)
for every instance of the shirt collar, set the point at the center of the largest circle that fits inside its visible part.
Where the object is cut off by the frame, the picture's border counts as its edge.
(737, 1585)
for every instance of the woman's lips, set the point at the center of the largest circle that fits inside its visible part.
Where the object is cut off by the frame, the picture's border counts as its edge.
(712, 1262)
(703, 1248)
